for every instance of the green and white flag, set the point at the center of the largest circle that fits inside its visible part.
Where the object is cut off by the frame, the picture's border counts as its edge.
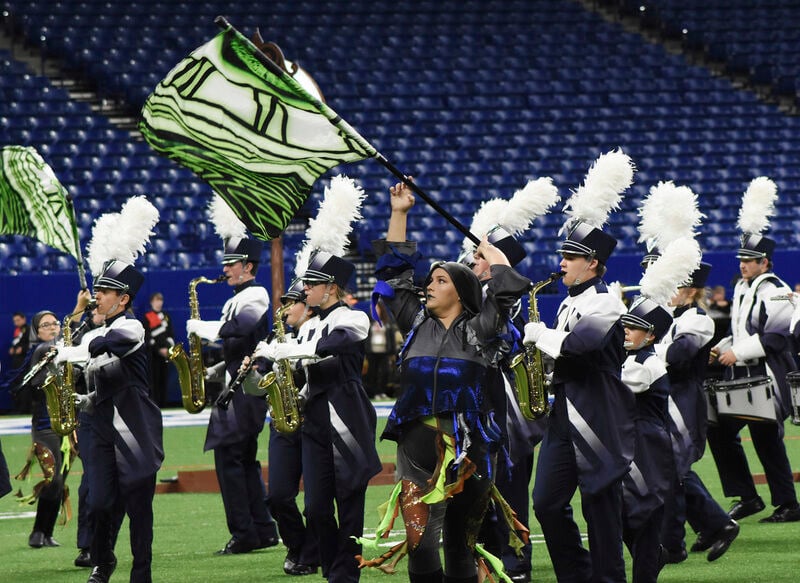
(33, 203)
(249, 129)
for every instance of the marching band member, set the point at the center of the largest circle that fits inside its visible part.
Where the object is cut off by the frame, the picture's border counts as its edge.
(442, 423)
(500, 221)
(125, 449)
(670, 213)
(233, 431)
(589, 441)
(685, 349)
(759, 344)
(286, 459)
(647, 485)
(338, 430)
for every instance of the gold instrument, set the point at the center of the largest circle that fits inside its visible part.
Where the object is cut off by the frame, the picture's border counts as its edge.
(59, 390)
(282, 394)
(527, 365)
(191, 372)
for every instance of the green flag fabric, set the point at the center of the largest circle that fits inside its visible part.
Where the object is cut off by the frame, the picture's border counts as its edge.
(33, 202)
(252, 132)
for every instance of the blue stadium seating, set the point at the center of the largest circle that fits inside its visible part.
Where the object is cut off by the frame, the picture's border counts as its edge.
(469, 117)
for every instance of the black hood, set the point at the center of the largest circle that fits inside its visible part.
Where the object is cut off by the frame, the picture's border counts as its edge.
(466, 283)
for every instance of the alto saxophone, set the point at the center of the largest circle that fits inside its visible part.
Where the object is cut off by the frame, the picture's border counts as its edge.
(282, 394)
(59, 389)
(191, 372)
(527, 365)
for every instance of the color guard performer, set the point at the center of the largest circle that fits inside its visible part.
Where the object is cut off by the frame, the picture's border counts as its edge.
(760, 344)
(446, 436)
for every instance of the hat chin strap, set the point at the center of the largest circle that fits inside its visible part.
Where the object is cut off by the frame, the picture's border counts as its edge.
(578, 279)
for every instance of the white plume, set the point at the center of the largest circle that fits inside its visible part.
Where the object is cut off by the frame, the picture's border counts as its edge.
(675, 265)
(533, 200)
(601, 191)
(485, 219)
(515, 215)
(758, 205)
(668, 213)
(122, 235)
(340, 206)
(226, 224)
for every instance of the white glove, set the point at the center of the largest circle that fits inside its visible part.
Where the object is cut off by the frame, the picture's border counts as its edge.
(76, 354)
(83, 402)
(263, 350)
(250, 385)
(534, 331)
(294, 351)
(207, 330)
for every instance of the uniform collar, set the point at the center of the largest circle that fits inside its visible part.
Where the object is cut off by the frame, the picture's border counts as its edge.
(244, 286)
(324, 313)
(109, 321)
(582, 287)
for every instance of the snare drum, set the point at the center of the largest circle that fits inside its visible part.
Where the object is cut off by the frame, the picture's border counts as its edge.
(793, 380)
(748, 398)
(709, 388)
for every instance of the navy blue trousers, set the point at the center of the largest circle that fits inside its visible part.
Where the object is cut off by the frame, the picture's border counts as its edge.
(691, 502)
(734, 472)
(85, 520)
(244, 495)
(556, 482)
(285, 472)
(326, 501)
(109, 502)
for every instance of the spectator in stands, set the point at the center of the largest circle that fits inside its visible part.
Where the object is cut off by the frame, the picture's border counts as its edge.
(381, 349)
(20, 340)
(18, 351)
(718, 304)
(159, 337)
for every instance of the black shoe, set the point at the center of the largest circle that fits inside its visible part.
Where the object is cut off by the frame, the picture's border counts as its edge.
(701, 544)
(300, 569)
(235, 547)
(722, 539)
(784, 513)
(84, 559)
(668, 556)
(743, 508)
(36, 540)
(102, 573)
(521, 577)
(49, 541)
(267, 542)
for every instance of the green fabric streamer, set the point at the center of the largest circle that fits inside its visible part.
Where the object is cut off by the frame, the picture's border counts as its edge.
(33, 203)
(249, 130)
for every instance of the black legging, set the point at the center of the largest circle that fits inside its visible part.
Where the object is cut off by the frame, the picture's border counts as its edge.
(457, 520)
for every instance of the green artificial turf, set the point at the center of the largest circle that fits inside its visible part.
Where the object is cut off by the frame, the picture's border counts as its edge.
(190, 527)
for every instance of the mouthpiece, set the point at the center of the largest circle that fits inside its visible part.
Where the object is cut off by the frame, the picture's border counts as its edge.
(90, 306)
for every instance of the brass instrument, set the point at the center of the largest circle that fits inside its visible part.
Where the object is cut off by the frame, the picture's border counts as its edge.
(282, 394)
(191, 373)
(527, 365)
(59, 389)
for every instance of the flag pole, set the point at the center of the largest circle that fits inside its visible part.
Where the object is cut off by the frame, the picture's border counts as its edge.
(78, 254)
(335, 119)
